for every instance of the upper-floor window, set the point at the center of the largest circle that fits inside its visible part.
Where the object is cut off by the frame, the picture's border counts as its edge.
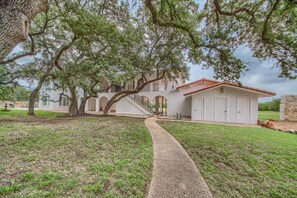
(45, 100)
(64, 101)
(115, 89)
(130, 87)
(155, 86)
(164, 83)
(165, 87)
(146, 88)
(173, 86)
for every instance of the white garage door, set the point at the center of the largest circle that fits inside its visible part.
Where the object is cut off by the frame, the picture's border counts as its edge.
(198, 110)
(243, 110)
(221, 109)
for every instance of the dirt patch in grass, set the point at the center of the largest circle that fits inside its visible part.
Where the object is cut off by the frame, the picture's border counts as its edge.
(286, 126)
(35, 120)
(74, 157)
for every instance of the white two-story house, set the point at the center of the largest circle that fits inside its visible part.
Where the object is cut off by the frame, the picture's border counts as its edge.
(204, 100)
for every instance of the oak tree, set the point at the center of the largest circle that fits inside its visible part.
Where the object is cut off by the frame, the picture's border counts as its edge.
(15, 20)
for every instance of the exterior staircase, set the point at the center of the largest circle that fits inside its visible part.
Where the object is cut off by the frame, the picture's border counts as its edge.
(143, 103)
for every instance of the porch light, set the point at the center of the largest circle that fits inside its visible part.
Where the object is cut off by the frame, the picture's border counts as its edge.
(222, 90)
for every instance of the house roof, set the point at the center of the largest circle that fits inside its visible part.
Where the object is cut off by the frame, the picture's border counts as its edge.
(203, 79)
(218, 84)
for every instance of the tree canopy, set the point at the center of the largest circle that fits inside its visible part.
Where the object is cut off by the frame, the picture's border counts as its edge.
(215, 31)
(82, 44)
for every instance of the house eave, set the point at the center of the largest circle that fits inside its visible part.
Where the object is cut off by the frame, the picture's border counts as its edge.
(259, 93)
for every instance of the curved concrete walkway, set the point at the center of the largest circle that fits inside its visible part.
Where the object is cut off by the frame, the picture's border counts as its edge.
(174, 173)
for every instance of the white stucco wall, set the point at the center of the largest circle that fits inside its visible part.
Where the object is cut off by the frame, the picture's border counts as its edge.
(54, 97)
(231, 95)
(176, 102)
(128, 106)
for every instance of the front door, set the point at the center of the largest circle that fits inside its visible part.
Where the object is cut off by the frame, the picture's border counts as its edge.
(243, 110)
(221, 109)
(198, 109)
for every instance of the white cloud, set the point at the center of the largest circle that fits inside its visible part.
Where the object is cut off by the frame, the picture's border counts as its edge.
(261, 75)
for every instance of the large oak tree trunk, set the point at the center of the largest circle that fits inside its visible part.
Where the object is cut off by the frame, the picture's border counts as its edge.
(15, 19)
(34, 94)
(73, 110)
(108, 106)
(82, 106)
(73, 107)
(35, 91)
(32, 99)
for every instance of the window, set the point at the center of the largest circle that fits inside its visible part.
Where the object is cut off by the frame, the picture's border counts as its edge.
(46, 100)
(130, 87)
(64, 101)
(155, 86)
(146, 88)
(173, 85)
(165, 87)
(165, 82)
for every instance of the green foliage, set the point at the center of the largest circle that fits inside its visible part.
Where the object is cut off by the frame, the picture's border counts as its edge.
(6, 190)
(268, 28)
(109, 43)
(21, 94)
(11, 93)
(95, 188)
(85, 43)
(217, 28)
(6, 93)
(270, 106)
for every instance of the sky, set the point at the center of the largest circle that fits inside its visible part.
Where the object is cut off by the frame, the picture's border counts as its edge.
(261, 75)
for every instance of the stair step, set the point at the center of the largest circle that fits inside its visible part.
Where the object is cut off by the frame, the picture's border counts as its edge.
(137, 99)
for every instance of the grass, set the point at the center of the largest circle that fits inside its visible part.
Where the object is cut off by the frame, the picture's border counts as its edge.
(74, 157)
(23, 113)
(268, 115)
(241, 162)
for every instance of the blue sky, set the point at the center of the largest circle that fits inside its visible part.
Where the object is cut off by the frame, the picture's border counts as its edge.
(261, 75)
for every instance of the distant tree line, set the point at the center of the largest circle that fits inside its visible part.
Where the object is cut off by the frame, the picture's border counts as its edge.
(13, 94)
(270, 106)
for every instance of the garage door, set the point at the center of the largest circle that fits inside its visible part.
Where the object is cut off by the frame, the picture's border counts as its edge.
(243, 110)
(221, 109)
(198, 110)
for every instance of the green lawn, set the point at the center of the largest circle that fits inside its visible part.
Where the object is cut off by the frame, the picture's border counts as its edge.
(268, 115)
(241, 162)
(74, 157)
(22, 113)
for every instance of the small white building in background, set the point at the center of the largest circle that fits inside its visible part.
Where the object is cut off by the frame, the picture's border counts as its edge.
(203, 100)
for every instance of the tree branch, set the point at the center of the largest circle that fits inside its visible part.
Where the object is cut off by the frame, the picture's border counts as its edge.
(61, 51)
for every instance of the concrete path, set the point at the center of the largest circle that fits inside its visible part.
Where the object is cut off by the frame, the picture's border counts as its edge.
(174, 173)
